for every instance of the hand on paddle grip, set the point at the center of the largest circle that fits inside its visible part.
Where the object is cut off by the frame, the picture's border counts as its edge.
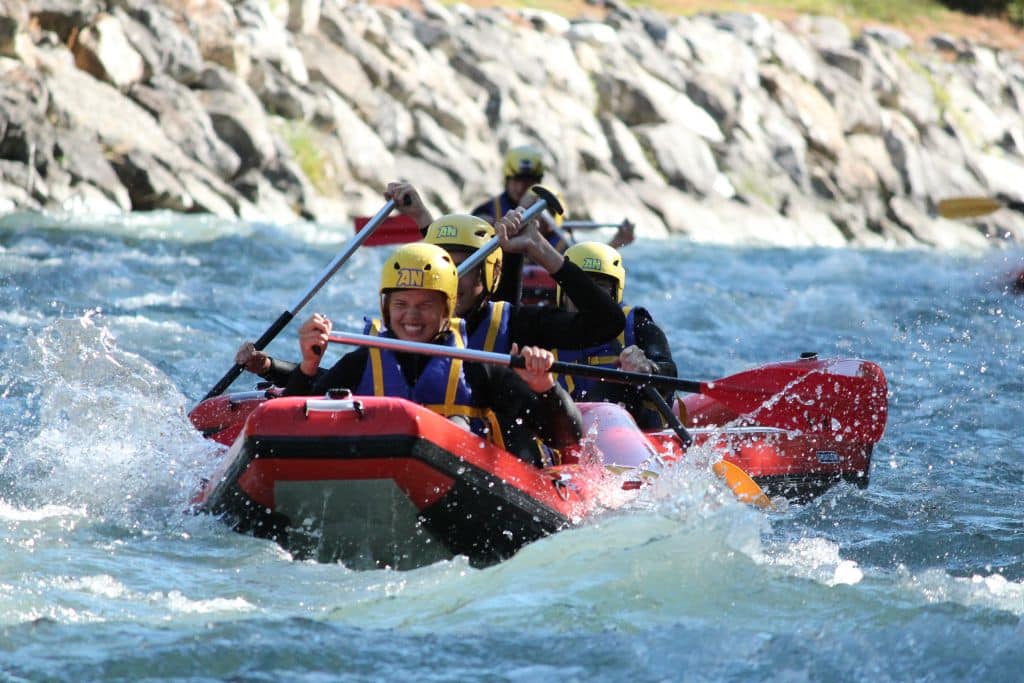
(633, 359)
(535, 368)
(313, 336)
(409, 202)
(251, 359)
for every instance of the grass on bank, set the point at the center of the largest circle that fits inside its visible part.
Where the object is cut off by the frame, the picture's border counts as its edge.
(912, 16)
(888, 11)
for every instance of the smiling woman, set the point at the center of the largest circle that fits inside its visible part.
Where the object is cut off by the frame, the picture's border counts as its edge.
(418, 288)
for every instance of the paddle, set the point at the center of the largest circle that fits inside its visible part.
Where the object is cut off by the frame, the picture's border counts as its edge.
(745, 488)
(739, 482)
(587, 225)
(844, 397)
(546, 199)
(971, 207)
(285, 317)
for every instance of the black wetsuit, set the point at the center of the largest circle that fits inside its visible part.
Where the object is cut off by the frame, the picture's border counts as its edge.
(597, 319)
(521, 412)
(651, 339)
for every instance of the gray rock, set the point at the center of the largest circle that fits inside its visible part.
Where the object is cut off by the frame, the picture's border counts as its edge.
(303, 15)
(858, 112)
(79, 153)
(186, 122)
(279, 95)
(804, 104)
(437, 189)
(239, 120)
(847, 60)
(627, 153)
(13, 20)
(683, 158)
(103, 50)
(165, 47)
(825, 33)
(888, 36)
(150, 185)
(937, 232)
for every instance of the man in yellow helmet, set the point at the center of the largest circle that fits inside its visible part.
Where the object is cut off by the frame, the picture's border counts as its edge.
(523, 167)
(494, 320)
(418, 288)
(642, 346)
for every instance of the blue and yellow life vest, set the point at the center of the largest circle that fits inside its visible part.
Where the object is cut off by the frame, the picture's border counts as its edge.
(441, 387)
(604, 355)
(492, 334)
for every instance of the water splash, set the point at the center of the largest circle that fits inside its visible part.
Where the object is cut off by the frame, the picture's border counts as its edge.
(108, 429)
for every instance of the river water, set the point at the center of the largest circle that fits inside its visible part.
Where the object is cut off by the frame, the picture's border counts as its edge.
(112, 330)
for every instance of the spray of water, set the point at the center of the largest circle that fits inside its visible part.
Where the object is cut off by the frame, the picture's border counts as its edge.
(108, 430)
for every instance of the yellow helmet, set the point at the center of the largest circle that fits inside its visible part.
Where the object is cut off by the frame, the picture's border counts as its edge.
(596, 258)
(419, 266)
(467, 233)
(525, 161)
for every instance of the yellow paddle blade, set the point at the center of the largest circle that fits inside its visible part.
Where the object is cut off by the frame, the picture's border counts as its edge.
(743, 487)
(739, 482)
(968, 207)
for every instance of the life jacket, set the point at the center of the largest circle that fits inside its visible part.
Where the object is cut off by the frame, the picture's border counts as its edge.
(441, 386)
(491, 333)
(603, 355)
(606, 356)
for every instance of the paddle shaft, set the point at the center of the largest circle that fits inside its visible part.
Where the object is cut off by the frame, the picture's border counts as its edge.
(738, 480)
(606, 374)
(286, 317)
(587, 225)
(544, 199)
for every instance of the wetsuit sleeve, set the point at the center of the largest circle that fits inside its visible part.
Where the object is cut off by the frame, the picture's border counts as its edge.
(598, 319)
(279, 372)
(558, 422)
(653, 341)
(345, 374)
(524, 414)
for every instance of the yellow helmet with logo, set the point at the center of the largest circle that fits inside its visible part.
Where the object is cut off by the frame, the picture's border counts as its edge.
(524, 162)
(596, 258)
(467, 233)
(419, 266)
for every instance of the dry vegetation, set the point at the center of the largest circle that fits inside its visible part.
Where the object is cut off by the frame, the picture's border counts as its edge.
(918, 18)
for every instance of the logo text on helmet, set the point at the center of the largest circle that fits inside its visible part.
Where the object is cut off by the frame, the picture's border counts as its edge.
(591, 263)
(410, 277)
(447, 231)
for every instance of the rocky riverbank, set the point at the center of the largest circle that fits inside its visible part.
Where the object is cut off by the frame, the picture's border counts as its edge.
(729, 128)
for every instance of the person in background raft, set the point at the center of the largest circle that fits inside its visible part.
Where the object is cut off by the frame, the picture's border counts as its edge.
(642, 347)
(418, 287)
(523, 168)
(495, 324)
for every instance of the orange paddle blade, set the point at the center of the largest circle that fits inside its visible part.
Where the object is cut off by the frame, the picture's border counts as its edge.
(743, 487)
(968, 207)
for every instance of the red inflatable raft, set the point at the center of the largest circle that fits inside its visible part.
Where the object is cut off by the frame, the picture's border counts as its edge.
(382, 482)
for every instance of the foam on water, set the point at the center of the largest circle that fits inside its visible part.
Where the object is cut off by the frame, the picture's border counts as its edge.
(113, 328)
(109, 432)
